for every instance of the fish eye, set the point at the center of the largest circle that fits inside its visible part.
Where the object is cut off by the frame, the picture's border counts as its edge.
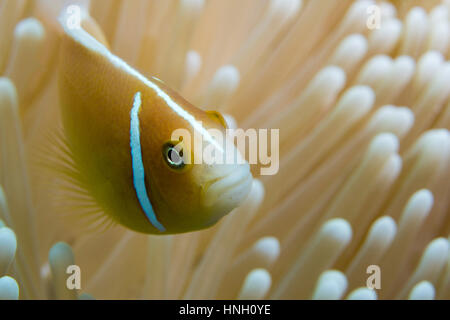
(173, 155)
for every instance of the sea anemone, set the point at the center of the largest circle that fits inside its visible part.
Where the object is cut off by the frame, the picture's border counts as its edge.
(360, 92)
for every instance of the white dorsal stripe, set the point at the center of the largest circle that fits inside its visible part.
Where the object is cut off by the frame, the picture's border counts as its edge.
(82, 37)
(138, 165)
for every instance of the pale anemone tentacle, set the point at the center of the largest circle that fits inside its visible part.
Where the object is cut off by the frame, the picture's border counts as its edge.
(262, 254)
(11, 12)
(222, 87)
(422, 291)
(256, 285)
(9, 290)
(331, 285)
(193, 65)
(431, 264)
(8, 245)
(379, 239)
(26, 56)
(325, 247)
(60, 257)
(239, 220)
(362, 294)
(15, 180)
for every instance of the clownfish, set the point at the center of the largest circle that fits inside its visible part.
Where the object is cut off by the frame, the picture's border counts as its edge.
(118, 125)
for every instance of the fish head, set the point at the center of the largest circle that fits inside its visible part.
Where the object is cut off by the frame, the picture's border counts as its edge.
(196, 175)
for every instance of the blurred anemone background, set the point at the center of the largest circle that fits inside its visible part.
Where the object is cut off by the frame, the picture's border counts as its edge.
(364, 175)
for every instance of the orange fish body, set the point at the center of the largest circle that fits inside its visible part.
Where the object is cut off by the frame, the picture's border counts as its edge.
(98, 93)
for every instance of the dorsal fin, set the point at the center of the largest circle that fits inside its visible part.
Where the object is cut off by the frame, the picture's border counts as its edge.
(217, 116)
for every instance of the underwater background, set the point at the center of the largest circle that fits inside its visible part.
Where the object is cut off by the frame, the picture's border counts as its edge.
(364, 173)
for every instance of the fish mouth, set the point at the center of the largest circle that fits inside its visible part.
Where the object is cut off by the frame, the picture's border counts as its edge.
(229, 191)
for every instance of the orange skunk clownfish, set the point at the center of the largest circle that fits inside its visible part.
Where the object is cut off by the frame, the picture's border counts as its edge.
(118, 126)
